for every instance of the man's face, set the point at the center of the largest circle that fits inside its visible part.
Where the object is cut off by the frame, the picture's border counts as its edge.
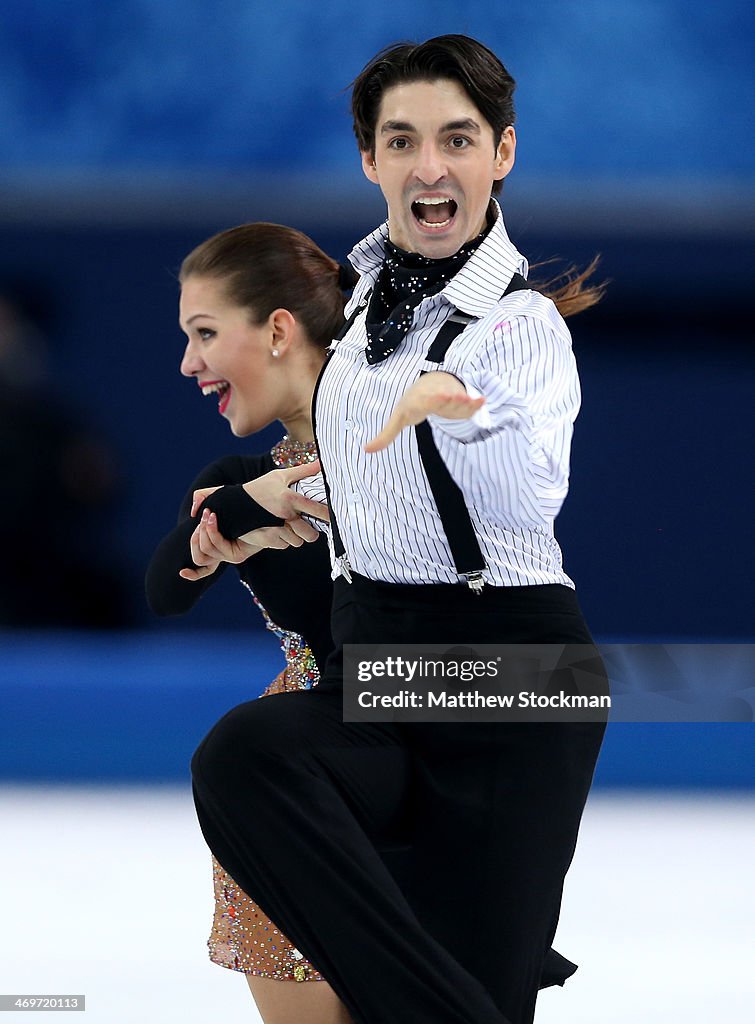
(435, 162)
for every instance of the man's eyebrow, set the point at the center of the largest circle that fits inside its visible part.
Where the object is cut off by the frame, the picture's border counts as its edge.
(464, 124)
(396, 126)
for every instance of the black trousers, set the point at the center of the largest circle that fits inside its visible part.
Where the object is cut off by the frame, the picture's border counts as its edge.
(298, 806)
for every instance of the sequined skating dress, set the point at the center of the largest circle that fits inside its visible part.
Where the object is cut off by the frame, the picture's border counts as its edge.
(243, 938)
(295, 586)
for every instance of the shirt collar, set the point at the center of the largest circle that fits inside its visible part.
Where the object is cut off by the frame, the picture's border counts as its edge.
(478, 285)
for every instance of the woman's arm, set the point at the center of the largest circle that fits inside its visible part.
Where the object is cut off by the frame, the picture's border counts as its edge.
(167, 592)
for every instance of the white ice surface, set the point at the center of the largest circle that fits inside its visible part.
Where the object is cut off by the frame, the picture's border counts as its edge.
(107, 892)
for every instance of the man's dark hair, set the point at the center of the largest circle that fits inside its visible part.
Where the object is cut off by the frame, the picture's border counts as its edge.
(459, 58)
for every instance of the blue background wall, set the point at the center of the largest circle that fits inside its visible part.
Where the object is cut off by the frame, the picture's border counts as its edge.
(639, 87)
(132, 131)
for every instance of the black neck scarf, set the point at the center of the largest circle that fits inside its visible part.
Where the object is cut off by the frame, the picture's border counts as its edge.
(405, 279)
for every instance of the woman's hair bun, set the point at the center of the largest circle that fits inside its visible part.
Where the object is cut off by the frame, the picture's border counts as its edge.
(347, 277)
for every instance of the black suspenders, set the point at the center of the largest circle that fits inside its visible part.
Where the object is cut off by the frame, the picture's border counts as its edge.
(452, 509)
(449, 500)
(338, 547)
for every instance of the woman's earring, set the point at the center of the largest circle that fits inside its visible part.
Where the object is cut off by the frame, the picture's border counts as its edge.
(276, 353)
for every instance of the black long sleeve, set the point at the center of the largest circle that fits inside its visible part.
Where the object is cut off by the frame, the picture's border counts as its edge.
(237, 513)
(167, 592)
(293, 585)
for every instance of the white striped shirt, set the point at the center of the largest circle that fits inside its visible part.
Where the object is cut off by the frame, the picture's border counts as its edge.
(511, 460)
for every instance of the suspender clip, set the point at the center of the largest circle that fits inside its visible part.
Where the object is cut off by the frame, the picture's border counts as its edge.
(475, 582)
(343, 564)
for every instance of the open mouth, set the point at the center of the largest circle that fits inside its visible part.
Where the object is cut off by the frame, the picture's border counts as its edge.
(222, 389)
(434, 212)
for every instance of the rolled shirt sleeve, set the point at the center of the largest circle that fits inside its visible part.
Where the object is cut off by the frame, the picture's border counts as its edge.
(513, 454)
(313, 487)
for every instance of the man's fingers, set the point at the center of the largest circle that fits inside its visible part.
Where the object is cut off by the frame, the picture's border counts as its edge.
(292, 539)
(265, 537)
(387, 435)
(383, 439)
(275, 541)
(309, 507)
(460, 407)
(452, 406)
(304, 530)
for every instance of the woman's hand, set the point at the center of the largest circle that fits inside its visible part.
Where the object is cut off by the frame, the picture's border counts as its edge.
(436, 393)
(273, 492)
(209, 547)
(199, 496)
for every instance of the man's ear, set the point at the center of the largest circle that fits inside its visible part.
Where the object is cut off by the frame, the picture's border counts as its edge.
(368, 166)
(505, 154)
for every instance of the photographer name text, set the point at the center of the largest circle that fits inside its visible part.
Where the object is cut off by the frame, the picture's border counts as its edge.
(475, 699)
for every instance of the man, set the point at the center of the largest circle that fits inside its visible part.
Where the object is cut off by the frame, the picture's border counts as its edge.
(441, 534)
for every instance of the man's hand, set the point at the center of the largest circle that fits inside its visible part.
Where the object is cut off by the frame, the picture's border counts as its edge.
(436, 393)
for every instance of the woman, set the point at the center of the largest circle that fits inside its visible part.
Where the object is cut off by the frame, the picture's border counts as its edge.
(259, 303)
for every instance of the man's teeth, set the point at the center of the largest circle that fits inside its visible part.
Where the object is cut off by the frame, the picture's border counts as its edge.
(433, 202)
(435, 223)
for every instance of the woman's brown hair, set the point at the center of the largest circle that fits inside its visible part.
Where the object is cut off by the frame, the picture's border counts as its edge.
(568, 290)
(265, 267)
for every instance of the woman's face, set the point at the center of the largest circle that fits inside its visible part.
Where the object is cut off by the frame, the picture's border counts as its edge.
(230, 358)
